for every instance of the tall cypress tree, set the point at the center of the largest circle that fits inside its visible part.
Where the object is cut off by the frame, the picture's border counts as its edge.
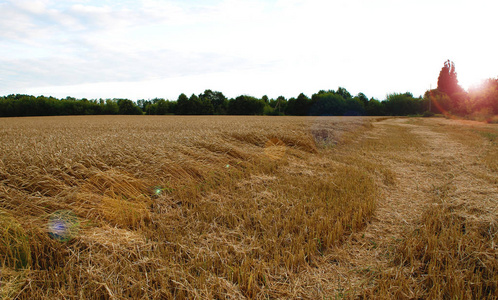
(447, 81)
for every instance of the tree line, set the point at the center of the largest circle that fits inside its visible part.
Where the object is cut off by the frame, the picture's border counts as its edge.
(324, 103)
(448, 98)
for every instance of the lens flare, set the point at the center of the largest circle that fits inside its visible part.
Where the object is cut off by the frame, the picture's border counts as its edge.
(325, 132)
(156, 191)
(63, 225)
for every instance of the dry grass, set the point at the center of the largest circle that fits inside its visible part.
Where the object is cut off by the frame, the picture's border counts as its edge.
(248, 207)
(178, 207)
(451, 250)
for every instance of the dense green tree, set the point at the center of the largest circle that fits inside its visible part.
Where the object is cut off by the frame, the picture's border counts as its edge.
(403, 104)
(182, 105)
(199, 106)
(128, 107)
(299, 106)
(195, 105)
(214, 102)
(440, 102)
(270, 111)
(205, 107)
(363, 98)
(328, 104)
(344, 93)
(279, 105)
(354, 107)
(320, 92)
(26, 105)
(265, 99)
(145, 105)
(111, 107)
(272, 103)
(375, 108)
(246, 105)
(159, 107)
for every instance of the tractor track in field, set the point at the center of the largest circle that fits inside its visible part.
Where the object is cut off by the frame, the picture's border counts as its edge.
(437, 164)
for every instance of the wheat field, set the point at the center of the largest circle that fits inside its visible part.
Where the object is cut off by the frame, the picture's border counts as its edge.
(171, 207)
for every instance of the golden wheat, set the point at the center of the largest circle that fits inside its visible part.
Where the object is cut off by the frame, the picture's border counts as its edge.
(175, 207)
(171, 207)
(451, 251)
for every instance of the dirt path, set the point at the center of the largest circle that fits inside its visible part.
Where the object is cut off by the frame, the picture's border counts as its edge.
(426, 162)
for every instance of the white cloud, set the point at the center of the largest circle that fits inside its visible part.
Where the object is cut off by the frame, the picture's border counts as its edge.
(117, 66)
(289, 45)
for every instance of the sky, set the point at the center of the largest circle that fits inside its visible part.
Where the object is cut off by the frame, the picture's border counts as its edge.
(161, 48)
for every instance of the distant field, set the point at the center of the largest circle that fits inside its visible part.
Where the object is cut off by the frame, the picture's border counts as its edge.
(143, 207)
